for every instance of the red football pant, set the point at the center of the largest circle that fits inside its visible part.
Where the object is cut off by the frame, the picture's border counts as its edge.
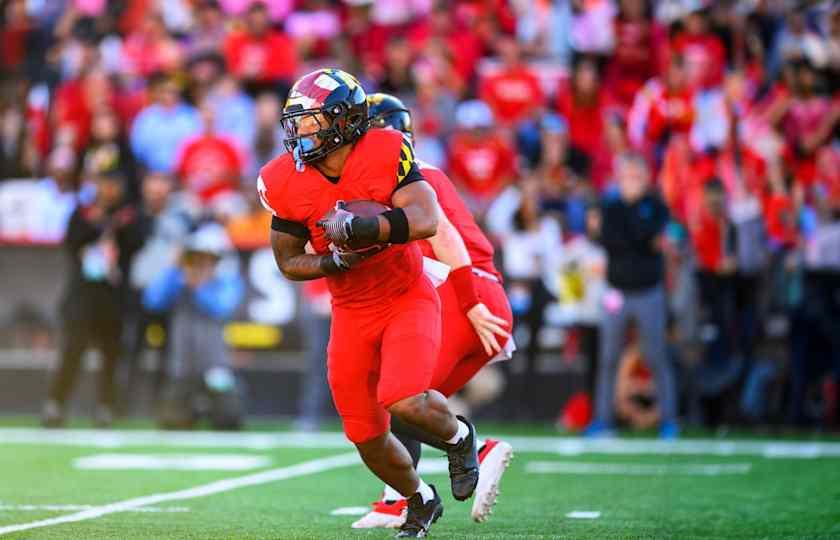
(461, 352)
(377, 357)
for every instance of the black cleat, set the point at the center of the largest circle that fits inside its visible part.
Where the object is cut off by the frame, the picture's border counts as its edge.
(420, 517)
(463, 465)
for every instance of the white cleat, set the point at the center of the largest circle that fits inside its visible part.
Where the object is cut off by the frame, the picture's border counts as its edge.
(385, 515)
(494, 457)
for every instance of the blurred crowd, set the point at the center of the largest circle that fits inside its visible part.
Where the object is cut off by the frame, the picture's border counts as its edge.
(537, 109)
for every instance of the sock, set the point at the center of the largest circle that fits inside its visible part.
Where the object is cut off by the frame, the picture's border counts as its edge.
(391, 494)
(425, 492)
(461, 434)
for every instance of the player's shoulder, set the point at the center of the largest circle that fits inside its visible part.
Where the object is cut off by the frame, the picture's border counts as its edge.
(278, 170)
(378, 136)
(274, 183)
(381, 145)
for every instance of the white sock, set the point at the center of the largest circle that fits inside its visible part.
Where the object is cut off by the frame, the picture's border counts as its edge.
(425, 491)
(391, 494)
(461, 434)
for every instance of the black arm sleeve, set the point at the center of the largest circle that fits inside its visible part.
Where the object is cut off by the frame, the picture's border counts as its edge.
(80, 232)
(290, 227)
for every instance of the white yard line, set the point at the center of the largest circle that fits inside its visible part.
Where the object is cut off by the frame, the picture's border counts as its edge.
(172, 462)
(301, 469)
(569, 446)
(77, 507)
(637, 469)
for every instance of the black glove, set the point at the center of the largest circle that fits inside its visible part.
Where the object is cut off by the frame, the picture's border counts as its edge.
(347, 231)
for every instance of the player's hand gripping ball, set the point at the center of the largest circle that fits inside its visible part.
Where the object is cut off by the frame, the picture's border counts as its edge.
(347, 233)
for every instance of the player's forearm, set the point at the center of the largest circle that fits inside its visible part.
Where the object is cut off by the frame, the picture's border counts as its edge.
(293, 261)
(448, 246)
(303, 267)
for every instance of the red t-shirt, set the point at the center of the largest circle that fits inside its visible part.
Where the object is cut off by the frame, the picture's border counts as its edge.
(72, 108)
(635, 60)
(705, 58)
(371, 173)
(266, 58)
(586, 122)
(512, 94)
(707, 236)
(209, 165)
(478, 246)
(780, 219)
(673, 111)
(482, 165)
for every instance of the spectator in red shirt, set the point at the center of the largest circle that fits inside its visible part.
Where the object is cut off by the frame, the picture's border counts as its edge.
(259, 55)
(449, 33)
(807, 124)
(481, 162)
(210, 165)
(638, 46)
(13, 35)
(75, 101)
(583, 104)
(705, 56)
(151, 49)
(514, 91)
(672, 110)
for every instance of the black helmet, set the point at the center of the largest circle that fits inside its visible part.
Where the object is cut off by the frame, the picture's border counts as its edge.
(330, 99)
(385, 110)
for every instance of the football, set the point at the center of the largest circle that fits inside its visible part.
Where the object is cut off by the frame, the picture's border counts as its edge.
(364, 208)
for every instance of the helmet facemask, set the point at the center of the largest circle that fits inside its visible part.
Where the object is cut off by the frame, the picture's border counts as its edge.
(313, 133)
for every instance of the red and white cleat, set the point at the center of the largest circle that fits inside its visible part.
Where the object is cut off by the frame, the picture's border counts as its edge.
(494, 457)
(385, 515)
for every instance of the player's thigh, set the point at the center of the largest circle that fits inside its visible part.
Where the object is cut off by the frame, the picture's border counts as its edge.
(410, 344)
(353, 374)
(462, 354)
(457, 336)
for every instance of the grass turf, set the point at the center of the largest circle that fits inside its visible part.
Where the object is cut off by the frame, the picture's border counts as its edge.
(778, 498)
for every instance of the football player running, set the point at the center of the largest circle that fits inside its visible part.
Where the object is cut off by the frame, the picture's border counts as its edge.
(475, 317)
(385, 330)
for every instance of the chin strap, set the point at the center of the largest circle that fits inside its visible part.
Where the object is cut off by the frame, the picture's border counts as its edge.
(300, 166)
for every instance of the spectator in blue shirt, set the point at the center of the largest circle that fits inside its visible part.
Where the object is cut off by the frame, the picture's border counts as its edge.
(160, 128)
(200, 294)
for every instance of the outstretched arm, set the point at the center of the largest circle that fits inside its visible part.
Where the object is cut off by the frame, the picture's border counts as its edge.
(450, 249)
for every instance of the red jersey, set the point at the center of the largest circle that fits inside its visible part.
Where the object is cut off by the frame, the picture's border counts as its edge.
(482, 165)
(478, 246)
(705, 58)
(636, 58)
(266, 59)
(372, 171)
(513, 94)
(586, 121)
(209, 164)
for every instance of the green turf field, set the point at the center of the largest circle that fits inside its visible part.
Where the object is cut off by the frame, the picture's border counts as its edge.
(284, 485)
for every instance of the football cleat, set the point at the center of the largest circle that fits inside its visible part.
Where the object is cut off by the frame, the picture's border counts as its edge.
(493, 457)
(463, 465)
(420, 516)
(384, 515)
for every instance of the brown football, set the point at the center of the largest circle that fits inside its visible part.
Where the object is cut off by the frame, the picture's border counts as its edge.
(365, 208)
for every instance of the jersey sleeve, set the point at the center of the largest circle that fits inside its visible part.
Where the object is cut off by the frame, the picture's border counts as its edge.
(408, 171)
(281, 219)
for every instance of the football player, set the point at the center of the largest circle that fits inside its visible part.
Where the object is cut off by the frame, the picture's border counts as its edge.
(475, 315)
(385, 330)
